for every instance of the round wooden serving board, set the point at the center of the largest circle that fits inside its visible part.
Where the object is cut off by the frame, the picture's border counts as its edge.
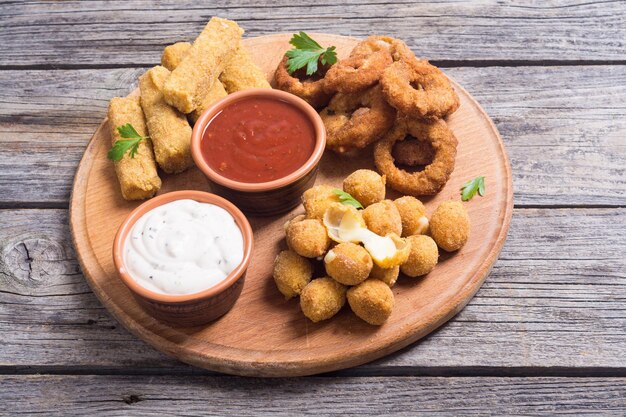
(265, 335)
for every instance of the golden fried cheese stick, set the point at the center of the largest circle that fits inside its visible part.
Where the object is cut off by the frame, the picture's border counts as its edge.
(137, 176)
(172, 56)
(192, 79)
(215, 93)
(169, 129)
(241, 73)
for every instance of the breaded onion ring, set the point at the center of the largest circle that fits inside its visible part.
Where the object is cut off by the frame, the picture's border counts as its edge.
(356, 73)
(412, 152)
(397, 48)
(308, 88)
(353, 121)
(418, 89)
(435, 175)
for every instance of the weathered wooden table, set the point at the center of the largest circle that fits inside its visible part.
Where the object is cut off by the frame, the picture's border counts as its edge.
(545, 334)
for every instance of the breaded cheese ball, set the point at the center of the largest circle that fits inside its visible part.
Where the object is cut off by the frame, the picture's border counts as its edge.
(388, 276)
(413, 215)
(423, 257)
(348, 263)
(307, 237)
(450, 226)
(322, 298)
(372, 301)
(296, 219)
(292, 273)
(366, 186)
(317, 199)
(383, 218)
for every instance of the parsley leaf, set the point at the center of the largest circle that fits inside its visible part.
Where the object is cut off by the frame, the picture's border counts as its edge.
(299, 58)
(131, 144)
(127, 131)
(347, 199)
(303, 41)
(117, 152)
(307, 53)
(470, 188)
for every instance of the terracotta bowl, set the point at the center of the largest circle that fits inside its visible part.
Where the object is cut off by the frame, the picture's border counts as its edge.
(192, 309)
(265, 198)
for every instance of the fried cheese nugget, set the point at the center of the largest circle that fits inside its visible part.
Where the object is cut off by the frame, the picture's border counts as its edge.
(241, 73)
(295, 219)
(169, 130)
(317, 199)
(383, 218)
(388, 276)
(322, 298)
(413, 215)
(366, 186)
(307, 237)
(192, 79)
(423, 257)
(372, 301)
(292, 273)
(450, 226)
(348, 263)
(138, 175)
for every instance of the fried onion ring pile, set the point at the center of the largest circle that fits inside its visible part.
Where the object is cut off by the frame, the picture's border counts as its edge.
(353, 121)
(309, 89)
(356, 72)
(383, 94)
(435, 175)
(417, 89)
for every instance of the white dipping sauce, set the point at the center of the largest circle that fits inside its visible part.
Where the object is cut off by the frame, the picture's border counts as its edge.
(183, 247)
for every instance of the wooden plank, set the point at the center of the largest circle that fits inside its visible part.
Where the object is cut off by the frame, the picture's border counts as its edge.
(99, 33)
(564, 129)
(166, 395)
(555, 299)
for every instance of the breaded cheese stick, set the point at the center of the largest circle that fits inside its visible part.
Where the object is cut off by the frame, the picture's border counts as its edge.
(137, 176)
(241, 73)
(169, 129)
(172, 56)
(215, 93)
(192, 79)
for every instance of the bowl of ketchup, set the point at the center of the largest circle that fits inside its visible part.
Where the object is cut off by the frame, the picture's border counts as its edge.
(260, 148)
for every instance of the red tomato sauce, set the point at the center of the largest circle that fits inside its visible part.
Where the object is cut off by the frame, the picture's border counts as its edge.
(258, 139)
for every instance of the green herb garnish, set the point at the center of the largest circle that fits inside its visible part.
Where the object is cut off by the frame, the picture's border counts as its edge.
(131, 144)
(347, 199)
(470, 188)
(307, 53)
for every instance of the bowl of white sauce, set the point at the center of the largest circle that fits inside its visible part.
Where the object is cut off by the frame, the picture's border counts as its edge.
(184, 256)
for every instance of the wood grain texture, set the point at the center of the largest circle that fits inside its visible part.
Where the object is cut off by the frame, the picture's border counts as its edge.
(555, 299)
(554, 303)
(100, 33)
(283, 342)
(564, 129)
(162, 395)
